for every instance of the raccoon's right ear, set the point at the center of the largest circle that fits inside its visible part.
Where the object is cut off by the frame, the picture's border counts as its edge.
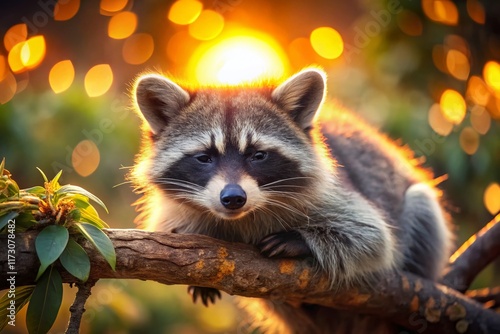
(159, 100)
(301, 95)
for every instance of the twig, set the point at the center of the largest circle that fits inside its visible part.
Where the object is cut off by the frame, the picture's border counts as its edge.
(473, 256)
(489, 297)
(78, 307)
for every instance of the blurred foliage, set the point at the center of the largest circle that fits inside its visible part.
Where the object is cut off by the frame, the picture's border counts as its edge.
(399, 57)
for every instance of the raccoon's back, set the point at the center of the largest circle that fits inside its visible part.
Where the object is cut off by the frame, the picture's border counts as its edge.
(372, 164)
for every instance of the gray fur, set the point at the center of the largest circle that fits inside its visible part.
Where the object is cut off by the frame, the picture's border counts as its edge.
(367, 208)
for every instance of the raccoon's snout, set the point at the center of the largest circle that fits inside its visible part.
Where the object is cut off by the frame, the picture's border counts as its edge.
(233, 197)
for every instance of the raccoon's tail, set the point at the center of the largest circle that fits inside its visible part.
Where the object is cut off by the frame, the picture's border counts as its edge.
(427, 237)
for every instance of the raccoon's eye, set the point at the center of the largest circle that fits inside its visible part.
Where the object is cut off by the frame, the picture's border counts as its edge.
(259, 156)
(203, 158)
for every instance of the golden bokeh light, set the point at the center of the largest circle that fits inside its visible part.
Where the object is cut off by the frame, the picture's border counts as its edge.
(98, 80)
(207, 26)
(457, 64)
(8, 87)
(410, 23)
(181, 46)
(15, 35)
(480, 119)
(478, 91)
(442, 11)
(61, 76)
(112, 6)
(185, 11)
(138, 48)
(494, 108)
(475, 9)
(453, 106)
(469, 140)
(457, 42)
(439, 58)
(65, 10)
(33, 52)
(491, 198)
(122, 25)
(85, 157)
(327, 42)
(14, 58)
(438, 122)
(3, 67)
(491, 74)
(239, 59)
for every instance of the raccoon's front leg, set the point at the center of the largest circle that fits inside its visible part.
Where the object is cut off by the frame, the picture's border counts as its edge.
(284, 244)
(348, 245)
(206, 294)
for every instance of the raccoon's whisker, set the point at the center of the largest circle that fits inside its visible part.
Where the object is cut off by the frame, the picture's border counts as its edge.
(126, 167)
(302, 200)
(280, 219)
(285, 180)
(168, 179)
(286, 207)
(180, 183)
(289, 194)
(283, 186)
(121, 184)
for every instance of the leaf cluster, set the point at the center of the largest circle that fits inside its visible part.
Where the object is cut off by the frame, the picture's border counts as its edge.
(63, 215)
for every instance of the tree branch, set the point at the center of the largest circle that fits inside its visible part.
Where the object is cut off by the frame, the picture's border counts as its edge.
(239, 269)
(78, 307)
(473, 256)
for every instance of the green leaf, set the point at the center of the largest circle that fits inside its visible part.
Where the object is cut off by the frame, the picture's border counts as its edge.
(92, 219)
(81, 202)
(74, 215)
(12, 188)
(45, 302)
(55, 181)
(43, 175)
(24, 221)
(20, 297)
(37, 190)
(75, 260)
(100, 240)
(4, 219)
(49, 245)
(71, 189)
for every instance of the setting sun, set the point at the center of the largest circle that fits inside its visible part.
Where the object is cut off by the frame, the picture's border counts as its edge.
(240, 59)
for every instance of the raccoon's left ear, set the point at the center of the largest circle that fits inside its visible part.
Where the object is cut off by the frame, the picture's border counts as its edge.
(159, 100)
(301, 95)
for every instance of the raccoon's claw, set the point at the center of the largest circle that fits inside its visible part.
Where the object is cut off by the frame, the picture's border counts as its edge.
(206, 294)
(284, 244)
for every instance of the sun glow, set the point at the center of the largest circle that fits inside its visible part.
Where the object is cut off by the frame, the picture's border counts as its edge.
(239, 59)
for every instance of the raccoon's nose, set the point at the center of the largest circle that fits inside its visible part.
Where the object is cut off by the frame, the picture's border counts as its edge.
(233, 197)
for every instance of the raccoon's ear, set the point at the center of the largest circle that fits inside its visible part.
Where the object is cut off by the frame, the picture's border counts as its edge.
(159, 99)
(301, 95)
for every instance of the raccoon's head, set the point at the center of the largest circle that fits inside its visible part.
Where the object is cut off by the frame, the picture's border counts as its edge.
(230, 151)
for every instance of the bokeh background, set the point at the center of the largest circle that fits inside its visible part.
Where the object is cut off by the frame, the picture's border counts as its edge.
(427, 72)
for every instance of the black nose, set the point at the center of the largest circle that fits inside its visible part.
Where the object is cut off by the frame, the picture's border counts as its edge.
(233, 197)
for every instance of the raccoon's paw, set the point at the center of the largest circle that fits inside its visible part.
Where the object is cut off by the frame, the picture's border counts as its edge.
(284, 244)
(206, 294)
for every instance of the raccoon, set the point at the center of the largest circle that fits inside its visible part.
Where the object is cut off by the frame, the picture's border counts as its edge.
(251, 164)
